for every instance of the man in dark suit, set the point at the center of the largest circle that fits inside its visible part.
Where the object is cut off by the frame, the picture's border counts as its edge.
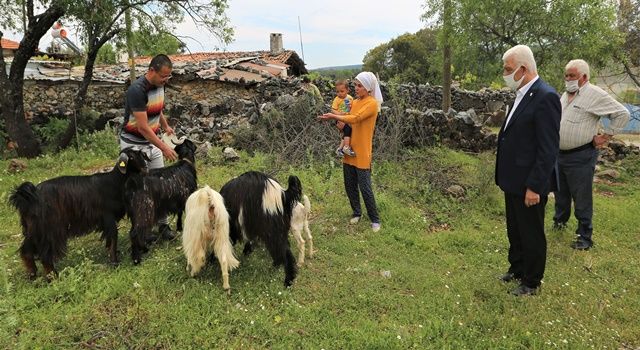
(525, 166)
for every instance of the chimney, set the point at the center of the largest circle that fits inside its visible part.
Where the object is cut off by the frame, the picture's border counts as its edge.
(276, 43)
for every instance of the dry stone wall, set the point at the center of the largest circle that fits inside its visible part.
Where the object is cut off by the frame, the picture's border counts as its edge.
(209, 110)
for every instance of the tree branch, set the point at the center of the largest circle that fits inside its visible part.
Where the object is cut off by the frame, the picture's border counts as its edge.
(633, 77)
(30, 10)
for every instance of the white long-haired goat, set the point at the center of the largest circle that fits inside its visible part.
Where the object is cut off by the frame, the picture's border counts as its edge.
(206, 230)
(300, 221)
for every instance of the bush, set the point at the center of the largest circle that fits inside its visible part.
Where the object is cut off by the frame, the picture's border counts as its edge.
(293, 134)
(51, 131)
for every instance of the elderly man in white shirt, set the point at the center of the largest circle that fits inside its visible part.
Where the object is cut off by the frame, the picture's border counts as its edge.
(583, 105)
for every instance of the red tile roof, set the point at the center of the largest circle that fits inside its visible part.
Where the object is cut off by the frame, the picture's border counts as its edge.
(9, 44)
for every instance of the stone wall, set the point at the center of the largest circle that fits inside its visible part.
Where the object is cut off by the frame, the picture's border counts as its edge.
(51, 98)
(209, 110)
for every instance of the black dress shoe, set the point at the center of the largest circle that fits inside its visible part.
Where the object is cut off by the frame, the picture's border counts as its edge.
(524, 290)
(509, 276)
(581, 244)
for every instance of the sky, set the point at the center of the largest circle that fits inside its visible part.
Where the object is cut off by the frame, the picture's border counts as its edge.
(334, 32)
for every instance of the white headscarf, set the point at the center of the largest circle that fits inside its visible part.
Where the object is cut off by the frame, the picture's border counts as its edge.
(370, 82)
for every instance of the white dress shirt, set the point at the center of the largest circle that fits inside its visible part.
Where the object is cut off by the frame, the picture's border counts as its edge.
(520, 93)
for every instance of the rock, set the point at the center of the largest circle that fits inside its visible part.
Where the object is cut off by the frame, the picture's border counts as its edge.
(205, 109)
(456, 191)
(285, 101)
(16, 166)
(611, 174)
(202, 151)
(465, 117)
(495, 106)
(230, 154)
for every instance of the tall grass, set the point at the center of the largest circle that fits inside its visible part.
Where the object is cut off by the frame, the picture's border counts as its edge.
(428, 279)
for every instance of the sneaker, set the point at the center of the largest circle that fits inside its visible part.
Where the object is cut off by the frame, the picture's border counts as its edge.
(339, 152)
(354, 220)
(348, 151)
(376, 226)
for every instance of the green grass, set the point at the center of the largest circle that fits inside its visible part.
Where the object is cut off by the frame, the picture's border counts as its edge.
(443, 256)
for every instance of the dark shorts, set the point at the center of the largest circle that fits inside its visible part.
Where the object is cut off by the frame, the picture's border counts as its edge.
(346, 131)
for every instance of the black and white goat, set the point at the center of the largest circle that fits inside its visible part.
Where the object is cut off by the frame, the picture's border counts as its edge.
(69, 206)
(164, 191)
(206, 230)
(299, 223)
(259, 208)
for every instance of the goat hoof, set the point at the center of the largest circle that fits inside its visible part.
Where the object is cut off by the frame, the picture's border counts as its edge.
(32, 276)
(288, 283)
(51, 276)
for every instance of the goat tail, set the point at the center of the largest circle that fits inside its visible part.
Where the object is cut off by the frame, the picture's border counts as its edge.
(24, 198)
(196, 230)
(293, 193)
(222, 245)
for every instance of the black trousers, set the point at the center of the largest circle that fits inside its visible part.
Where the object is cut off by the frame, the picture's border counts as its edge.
(358, 181)
(527, 242)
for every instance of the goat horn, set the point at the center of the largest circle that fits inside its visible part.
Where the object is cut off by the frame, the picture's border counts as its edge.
(178, 141)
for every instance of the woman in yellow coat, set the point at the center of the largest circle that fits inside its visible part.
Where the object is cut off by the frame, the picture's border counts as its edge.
(357, 169)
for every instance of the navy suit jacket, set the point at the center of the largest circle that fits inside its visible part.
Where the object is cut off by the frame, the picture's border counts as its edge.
(528, 146)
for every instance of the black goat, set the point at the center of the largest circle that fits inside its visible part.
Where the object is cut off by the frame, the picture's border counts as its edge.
(70, 206)
(164, 191)
(259, 208)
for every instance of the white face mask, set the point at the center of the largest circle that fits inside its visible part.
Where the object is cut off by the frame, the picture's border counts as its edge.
(571, 85)
(511, 82)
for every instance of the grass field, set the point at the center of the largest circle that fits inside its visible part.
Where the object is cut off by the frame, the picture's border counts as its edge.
(428, 279)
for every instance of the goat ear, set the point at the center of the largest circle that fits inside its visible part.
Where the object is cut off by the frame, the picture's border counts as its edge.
(122, 163)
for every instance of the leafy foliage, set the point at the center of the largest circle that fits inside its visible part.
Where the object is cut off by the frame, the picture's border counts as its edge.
(107, 55)
(336, 74)
(556, 31)
(406, 58)
(50, 132)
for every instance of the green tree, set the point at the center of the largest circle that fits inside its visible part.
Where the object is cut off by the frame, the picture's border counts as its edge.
(406, 58)
(556, 31)
(107, 55)
(629, 26)
(152, 39)
(36, 18)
